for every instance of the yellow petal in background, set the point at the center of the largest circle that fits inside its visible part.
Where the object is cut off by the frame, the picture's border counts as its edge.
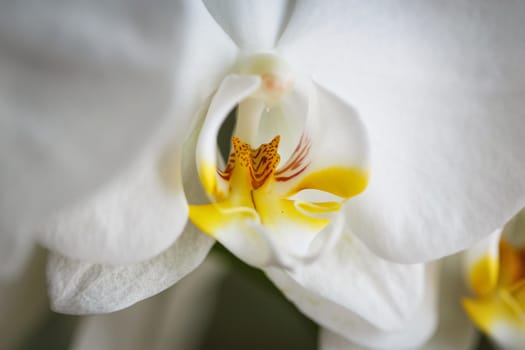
(483, 275)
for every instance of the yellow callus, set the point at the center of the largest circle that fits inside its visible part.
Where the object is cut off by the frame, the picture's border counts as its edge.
(343, 182)
(250, 176)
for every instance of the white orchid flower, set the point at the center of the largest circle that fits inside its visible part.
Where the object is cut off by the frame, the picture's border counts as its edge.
(496, 276)
(454, 330)
(429, 118)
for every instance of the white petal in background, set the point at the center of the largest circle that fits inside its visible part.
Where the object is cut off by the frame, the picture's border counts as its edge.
(174, 319)
(454, 331)
(354, 292)
(252, 25)
(440, 88)
(77, 287)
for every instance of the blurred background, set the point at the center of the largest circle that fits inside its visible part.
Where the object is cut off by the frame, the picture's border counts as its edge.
(224, 304)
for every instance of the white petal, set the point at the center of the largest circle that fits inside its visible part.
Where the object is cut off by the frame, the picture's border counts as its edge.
(85, 86)
(252, 25)
(353, 292)
(23, 304)
(232, 90)
(455, 331)
(133, 219)
(82, 88)
(336, 139)
(439, 88)
(174, 319)
(78, 287)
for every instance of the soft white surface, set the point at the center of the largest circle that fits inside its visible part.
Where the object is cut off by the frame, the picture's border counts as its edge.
(454, 331)
(78, 287)
(354, 292)
(252, 25)
(334, 129)
(409, 334)
(85, 88)
(232, 90)
(135, 218)
(174, 319)
(440, 88)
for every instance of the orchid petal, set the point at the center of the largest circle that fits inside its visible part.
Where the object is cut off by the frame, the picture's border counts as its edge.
(453, 332)
(232, 90)
(85, 87)
(252, 25)
(353, 292)
(135, 218)
(175, 319)
(82, 89)
(78, 287)
(332, 154)
(439, 88)
(413, 332)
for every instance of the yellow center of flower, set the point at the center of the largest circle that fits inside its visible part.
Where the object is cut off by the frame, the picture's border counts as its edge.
(265, 212)
(255, 166)
(499, 285)
(248, 188)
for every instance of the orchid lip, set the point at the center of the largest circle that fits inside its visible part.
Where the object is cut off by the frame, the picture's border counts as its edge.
(263, 199)
(252, 201)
